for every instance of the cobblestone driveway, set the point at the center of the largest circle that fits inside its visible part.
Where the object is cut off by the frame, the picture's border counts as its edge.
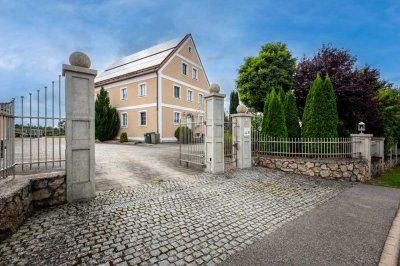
(201, 221)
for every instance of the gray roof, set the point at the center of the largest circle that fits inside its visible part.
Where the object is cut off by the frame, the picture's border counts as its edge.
(149, 57)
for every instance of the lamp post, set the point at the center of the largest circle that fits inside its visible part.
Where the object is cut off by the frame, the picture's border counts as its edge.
(361, 127)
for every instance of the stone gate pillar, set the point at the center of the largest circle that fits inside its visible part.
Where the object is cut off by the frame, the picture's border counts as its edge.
(79, 127)
(214, 137)
(242, 134)
(361, 147)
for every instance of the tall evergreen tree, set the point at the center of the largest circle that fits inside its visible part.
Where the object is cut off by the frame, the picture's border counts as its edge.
(265, 113)
(309, 106)
(276, 124)
(234, 102)
(106, 117)
(281, 95)
(320, 118)
(292, 116)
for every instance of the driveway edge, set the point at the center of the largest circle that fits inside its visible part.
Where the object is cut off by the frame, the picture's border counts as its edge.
(390, 253)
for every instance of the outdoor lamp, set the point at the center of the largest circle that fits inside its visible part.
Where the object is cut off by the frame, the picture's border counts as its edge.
(361, 127)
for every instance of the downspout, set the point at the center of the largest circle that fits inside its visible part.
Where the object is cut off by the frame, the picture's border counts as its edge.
(158, 108)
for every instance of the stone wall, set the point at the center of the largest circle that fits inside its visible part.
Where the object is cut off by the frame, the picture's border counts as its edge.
(345, 169)
(19, 197)
(379, 165)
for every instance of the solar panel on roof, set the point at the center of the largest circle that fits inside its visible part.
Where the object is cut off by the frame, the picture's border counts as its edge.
(149, 57)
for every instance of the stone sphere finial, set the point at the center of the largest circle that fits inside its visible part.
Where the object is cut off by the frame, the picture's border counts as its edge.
(241, 109)
(79, 59)
(214, 88)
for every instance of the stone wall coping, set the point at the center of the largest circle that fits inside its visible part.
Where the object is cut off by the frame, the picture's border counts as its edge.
(303, 159)
(242, 115)
(362, 135)
(215, 95)
(12, 186)
(78, 69)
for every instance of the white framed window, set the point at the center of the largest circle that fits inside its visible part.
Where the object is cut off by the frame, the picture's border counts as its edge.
(201, 98)
(124, 94)
(124, 120)
(190, 49)
(143, 118)
(200, 119)
(184, 69)
(177, 92)
(190, 96)
(195, 73)
(142, 90)
(177, 118)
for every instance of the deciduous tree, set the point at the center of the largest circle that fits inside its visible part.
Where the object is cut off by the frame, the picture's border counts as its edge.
(273, 67)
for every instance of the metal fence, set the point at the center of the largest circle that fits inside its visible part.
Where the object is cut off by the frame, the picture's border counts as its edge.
(191, 143)
(40, 130)
(7, 139)
(301, 147)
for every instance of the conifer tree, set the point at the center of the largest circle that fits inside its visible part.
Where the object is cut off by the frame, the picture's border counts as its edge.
(275, 123)
(320, 119)
(106, 117)
(292, 116)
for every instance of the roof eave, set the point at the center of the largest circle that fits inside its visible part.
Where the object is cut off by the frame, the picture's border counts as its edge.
(134, 74)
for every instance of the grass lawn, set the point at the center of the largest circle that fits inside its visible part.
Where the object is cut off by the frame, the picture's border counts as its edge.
(55, 137)
(390, 178)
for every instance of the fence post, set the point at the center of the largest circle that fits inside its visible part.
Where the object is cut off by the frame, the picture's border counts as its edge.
(214, 137)
(79, 127)
(242, 133)
(361, 147)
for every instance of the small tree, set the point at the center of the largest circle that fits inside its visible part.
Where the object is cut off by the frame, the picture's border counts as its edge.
(292, 116)
(281, 95)
(276, 124)
(106, 117)
(320, 119)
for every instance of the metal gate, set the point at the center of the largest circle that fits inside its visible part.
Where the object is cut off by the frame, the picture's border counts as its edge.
(191, 143)
(7, 139)
(230, 145)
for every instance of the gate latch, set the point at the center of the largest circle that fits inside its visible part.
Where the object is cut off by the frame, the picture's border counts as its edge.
(235, 145)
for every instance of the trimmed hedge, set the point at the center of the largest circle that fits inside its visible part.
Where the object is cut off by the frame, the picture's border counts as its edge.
(123, 138)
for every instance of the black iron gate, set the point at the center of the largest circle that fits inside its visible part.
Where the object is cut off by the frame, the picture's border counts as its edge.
(230, 145)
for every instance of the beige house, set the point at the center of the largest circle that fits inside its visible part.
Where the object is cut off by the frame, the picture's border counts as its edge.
(155, 88)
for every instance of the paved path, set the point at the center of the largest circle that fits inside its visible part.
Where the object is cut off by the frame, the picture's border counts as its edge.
(202, 220)
(351, 229)
(119, 166)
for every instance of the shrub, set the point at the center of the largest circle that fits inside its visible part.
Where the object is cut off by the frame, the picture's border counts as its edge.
(123, 137)
(106, 118)
(185, 133)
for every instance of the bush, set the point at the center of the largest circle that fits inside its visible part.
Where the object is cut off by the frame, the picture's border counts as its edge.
(123, 138)
(106, 118)
(186, 134)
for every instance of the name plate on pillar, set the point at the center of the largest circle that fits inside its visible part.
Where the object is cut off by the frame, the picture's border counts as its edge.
(246, 132)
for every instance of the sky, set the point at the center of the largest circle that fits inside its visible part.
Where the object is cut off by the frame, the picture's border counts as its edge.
(37, 37)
